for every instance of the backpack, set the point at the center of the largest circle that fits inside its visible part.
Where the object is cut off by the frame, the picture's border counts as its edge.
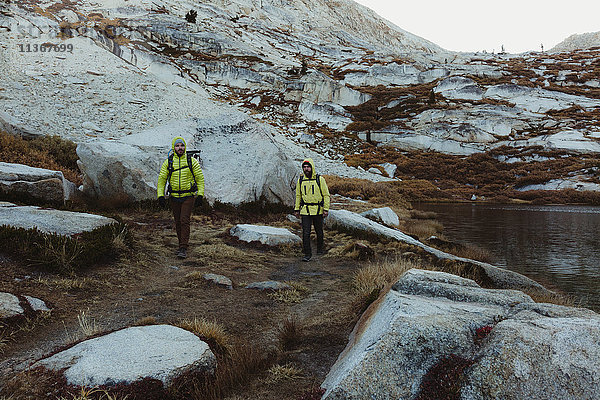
(303, 203)
(192, 153)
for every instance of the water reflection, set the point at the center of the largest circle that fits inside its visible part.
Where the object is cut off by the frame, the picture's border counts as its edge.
(558, 246)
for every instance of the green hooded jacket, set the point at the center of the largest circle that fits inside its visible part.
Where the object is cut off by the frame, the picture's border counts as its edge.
(309, 199)
(181, 178)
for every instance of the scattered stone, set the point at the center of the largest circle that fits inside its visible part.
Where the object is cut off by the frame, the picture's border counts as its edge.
(269, 285)
(10, 306)
(389, 168)
(268, 235)
(219, 280)
(308, 139)
(293, 218)
(91, 126)
(384, 215)
(14, 126)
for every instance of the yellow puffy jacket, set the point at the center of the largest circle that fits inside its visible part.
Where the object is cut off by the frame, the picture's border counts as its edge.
(309, 199)
(182, 179)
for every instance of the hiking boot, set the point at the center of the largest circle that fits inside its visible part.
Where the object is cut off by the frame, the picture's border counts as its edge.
(306, 258)
(182, 253)
(320, 252)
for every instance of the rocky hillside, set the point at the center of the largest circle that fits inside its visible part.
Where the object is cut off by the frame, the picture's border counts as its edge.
(327, 79)
(583, 41)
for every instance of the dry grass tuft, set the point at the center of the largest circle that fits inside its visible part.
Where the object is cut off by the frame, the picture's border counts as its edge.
(422, 228)
(286, 296)
(553, 298)
(210, 331)
(145, 321)
(94, 394)
(376, 276)
(76, 283)
(222, 254)
(88, 326)
(234, 371)
(418, 214)
(279, 373)
(120, 241)
(293, 295)
(472, 252)
(290, 333)
(3, 343)
(195, 276)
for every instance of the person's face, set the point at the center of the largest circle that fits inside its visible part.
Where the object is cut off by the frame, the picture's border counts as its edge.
(179, 148)
(307, 170)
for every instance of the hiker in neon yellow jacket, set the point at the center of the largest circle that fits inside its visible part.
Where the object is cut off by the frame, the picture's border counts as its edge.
(181, 179)
(312, 204)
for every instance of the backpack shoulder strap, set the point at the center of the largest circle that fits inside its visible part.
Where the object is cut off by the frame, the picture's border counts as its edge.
(189, 161)
(318, 178)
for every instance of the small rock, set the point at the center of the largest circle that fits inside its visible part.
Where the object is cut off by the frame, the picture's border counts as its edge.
(269, 285)
(91, 126)
(219, 280)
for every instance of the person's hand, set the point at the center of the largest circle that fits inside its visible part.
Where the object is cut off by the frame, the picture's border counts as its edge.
(297, 214)
(325, 212)
(198, 201)
(162, 201)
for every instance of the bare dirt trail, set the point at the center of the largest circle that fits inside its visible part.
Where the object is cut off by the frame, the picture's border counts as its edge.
(150, 282)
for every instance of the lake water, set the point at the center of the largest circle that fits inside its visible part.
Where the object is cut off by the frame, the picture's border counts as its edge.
(558, 246)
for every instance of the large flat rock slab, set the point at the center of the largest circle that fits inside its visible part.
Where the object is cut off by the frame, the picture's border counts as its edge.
(47, 220)
(513, 348)
(37, 183)
(161, 352)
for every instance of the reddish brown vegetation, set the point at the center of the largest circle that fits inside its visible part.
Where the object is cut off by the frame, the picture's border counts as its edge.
(443, 381)
(458, 177)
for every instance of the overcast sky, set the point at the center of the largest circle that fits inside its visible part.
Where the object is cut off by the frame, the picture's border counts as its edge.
(475, 25)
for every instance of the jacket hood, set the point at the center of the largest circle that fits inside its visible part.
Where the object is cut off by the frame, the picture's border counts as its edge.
(312, 165)
(173, 144)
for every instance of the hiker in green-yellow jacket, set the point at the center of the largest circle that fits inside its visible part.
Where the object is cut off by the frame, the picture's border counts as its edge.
(181, 180)
(312, 204)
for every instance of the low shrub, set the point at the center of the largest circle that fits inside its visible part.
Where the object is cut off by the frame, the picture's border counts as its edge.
(389, 193)
(376, 276)
(49, 152)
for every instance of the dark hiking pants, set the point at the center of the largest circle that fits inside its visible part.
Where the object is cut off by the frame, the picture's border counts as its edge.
(182, 213)
(307, 221)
